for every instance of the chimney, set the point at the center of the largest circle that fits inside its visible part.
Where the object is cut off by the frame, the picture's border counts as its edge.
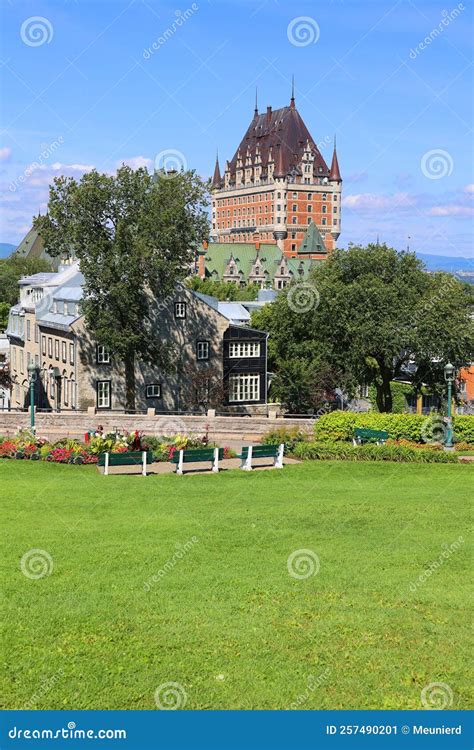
(205, 244)
(269, 114)
(257, 245)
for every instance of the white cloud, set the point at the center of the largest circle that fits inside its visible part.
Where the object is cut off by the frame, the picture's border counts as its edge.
(469, 188)
(369, 202)
(59, 167)
(5, 153)
(137, 161)
(451, 210)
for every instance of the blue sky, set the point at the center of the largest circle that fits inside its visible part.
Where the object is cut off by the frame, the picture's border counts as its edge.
(90, 84)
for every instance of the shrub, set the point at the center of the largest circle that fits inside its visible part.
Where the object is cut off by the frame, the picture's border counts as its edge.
(340, 425)
(289, 436)
(370, 452)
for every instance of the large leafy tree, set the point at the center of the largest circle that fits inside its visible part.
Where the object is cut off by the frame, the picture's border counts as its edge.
(375, 311)
(134, 235)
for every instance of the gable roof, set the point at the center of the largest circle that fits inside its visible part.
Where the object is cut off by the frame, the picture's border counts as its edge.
(312, 241)
(218, 255)
(284, 132)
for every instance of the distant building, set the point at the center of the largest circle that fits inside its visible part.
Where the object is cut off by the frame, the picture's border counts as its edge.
(263, 265)
(275, 185)
(218, 359)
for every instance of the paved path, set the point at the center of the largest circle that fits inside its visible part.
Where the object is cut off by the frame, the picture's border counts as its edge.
(164, 467)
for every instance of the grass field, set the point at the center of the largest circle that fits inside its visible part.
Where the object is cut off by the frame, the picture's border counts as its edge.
(185, 580)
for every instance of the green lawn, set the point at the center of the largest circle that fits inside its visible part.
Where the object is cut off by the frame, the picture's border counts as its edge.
(224, 618)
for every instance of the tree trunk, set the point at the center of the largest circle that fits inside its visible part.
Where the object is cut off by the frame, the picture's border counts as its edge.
(130, 382)
(384, 392)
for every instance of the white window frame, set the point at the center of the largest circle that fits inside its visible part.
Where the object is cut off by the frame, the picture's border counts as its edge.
(244, 386)
(153, 390)
(180, 310)
(104, 394)
(202, 350)
(102, 355)
(244, 349)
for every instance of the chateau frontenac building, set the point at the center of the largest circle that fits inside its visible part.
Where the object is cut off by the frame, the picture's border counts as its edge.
(276, 184)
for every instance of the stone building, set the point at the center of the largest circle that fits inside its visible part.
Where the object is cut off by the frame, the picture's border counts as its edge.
(216, 361)
(276, 184)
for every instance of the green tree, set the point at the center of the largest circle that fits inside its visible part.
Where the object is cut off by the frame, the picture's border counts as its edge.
(368, 312)
(223, 290)
(11, 271)
(135, 235)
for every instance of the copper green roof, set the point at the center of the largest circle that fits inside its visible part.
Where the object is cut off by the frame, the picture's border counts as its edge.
(312, 242)
(32, 246)
(218, 255)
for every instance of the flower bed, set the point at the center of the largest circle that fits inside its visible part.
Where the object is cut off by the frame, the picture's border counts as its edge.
(26, 446)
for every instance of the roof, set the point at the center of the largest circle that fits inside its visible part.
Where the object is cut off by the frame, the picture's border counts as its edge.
(32, 246)
(312, 241)
(36, 279)
(234, 311)
(281, 135)
(218, 254)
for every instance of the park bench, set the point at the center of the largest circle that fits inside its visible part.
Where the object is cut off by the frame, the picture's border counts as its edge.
(131, 458)
(262, 451)
(364, 435)
(197, 455)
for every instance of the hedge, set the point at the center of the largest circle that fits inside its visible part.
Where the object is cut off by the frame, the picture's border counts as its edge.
(369, 452)
(340, 425)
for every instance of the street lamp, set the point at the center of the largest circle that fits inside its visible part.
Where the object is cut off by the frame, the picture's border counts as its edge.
(32, 380)
(449, 375)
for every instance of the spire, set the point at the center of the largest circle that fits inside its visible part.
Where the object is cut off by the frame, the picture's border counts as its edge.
(334, 173)
(292, 100)
(216, 180)
(255, 112)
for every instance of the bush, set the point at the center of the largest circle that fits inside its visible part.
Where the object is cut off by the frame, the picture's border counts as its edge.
(369, 452)
(289, 436)
(340, 425)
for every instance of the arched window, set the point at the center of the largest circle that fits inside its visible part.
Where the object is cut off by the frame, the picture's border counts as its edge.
(65, 388)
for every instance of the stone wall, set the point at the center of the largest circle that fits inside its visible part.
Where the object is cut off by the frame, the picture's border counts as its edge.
(54, 426)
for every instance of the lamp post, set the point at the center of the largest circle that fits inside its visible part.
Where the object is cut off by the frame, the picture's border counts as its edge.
(32, 380)
(449, 374)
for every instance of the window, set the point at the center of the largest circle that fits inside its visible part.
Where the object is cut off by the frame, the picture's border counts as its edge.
(309, 220)
(180, 309)
(334, 221)
(65, 389)
(37, 361)
(244, 387)
(56, 348)
(103, 394)
(310, 208)
(153, 390)
(72, 391)
(202, 349)
(44, 346)
(295, 195)
(310, 196)
(71, 354)
(22, 361)
(294, 220)
(102, 356)
(240, 349)
(295, 207)
(50, 346)
(325, 196)
(36, 334)
(63, 351)
(364, 391)
(324, 209)
(51, 384)
(28, 330)
(14, 357)
(324, 222)
(293, 245)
